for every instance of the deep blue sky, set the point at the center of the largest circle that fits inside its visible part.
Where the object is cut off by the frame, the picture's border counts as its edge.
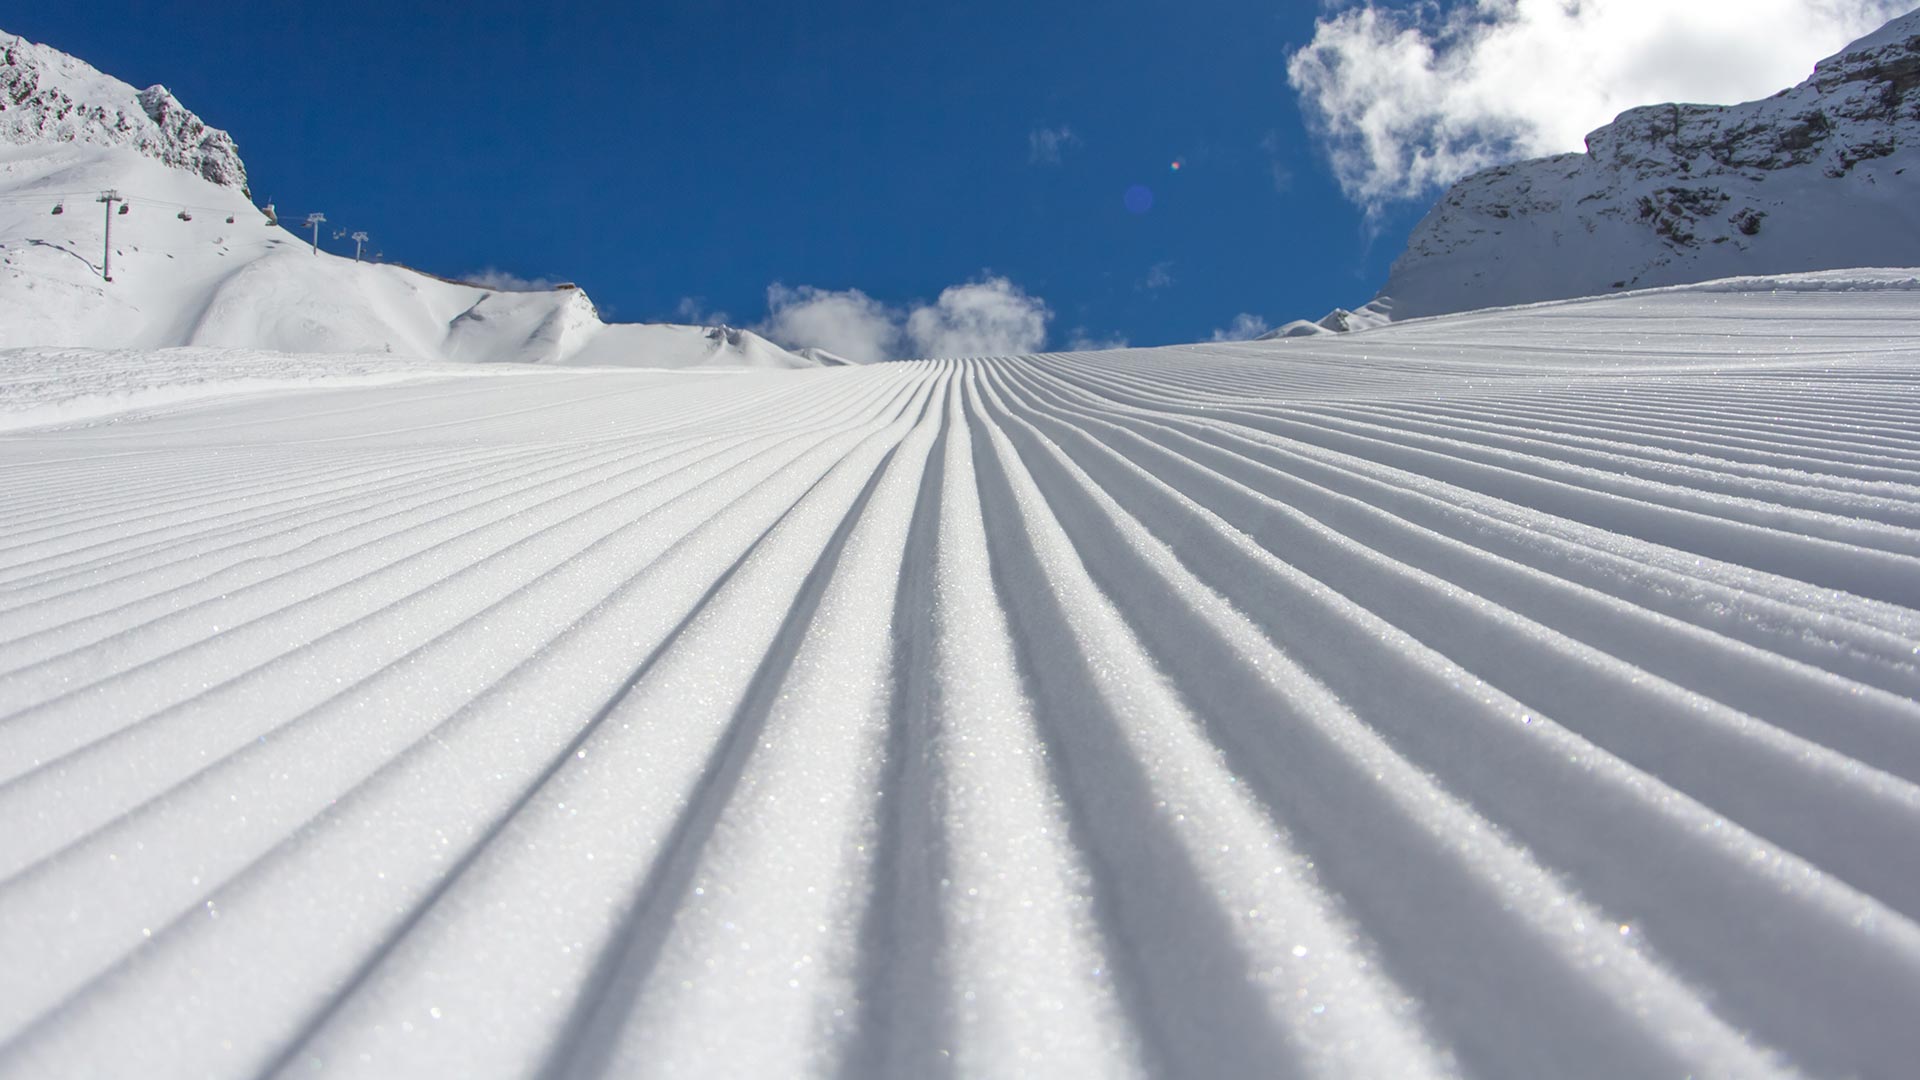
(706, 149)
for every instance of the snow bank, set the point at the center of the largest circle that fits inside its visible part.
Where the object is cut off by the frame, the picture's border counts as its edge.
(42, 387)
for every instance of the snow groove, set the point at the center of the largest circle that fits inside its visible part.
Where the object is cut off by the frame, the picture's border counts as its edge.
(1509, 695)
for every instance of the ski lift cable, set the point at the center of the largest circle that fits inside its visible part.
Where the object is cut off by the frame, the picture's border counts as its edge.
(42, 196)
(29, 195)
(182, 209)
(155, 204)
(170, 204)
(142, 200)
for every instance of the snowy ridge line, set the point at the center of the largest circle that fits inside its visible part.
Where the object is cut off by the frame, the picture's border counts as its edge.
(1369, 705)
(1865, 279)
(43, 388)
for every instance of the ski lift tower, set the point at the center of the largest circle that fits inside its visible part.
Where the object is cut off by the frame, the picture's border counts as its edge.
(359, 241)
(313, 222)
(106, 248)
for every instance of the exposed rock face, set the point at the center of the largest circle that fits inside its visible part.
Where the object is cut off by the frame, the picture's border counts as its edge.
(1822, 176)
(47, 96)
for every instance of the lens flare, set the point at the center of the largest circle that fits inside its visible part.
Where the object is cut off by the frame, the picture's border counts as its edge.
(1177, 163)
(1139, 198)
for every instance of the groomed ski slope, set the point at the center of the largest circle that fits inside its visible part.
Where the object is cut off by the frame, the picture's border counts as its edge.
(1521, 694)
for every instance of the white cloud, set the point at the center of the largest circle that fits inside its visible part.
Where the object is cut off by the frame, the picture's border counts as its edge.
(1083, 340)
(1160, 276)
(1408, 96)
(848, 322)
(1244, 327)
(507, 281)
(989, 317)
(693, 311)
(1045, 145)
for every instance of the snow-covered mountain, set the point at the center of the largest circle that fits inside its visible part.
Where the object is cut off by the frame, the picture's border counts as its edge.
(193, 262)
(47, 96)
(1377, 312)
(1825, 175)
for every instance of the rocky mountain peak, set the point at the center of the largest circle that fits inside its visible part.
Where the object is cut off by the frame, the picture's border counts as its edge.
(1819, 176)
(47, 96)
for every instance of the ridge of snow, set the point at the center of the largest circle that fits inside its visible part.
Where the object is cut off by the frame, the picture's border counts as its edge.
(1870, 279)
(825, 358)
(223, 276)
(1296, 328)
(1378, 312)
